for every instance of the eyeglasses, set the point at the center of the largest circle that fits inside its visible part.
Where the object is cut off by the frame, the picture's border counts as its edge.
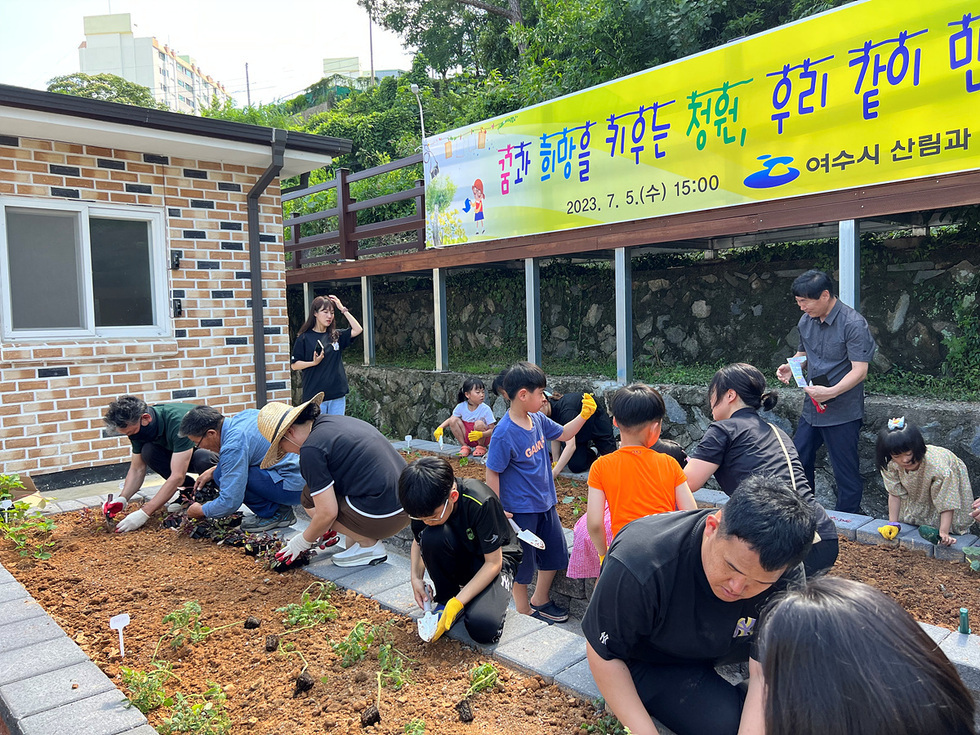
(435, 517)
(203, 437)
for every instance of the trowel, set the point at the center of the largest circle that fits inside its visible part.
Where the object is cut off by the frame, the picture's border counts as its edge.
(526, 536)
(118, 622)
(429, 621)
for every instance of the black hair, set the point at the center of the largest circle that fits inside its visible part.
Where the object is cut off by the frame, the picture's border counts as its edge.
(813, 283)
(319, 304)
(637, 404)
(199, 421)
(747, 381)
(308, 414)
(823, 644)
(497, 386)
(468, 385)
(424, 486)
(523, 376)
(671, 449)
(768, 515)
(899, 441)
(125, 411)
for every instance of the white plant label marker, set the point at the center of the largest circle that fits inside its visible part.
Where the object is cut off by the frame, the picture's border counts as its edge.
(118, 622)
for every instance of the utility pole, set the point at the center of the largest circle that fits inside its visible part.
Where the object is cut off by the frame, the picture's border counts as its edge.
(248, 88)
(371, 45)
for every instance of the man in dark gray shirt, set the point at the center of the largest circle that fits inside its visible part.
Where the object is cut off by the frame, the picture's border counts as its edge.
(838, 346)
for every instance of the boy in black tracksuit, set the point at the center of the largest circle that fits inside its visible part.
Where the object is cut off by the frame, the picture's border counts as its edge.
(464, 541)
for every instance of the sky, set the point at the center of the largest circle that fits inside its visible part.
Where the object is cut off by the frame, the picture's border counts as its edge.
(283, 43)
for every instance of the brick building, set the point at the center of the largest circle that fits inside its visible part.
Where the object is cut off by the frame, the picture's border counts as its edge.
(129, 239)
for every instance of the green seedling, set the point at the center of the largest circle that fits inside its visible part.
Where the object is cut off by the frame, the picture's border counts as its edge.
(186, 627)
(355, 647)
(415, 727)
(28, 530)
(577, 502)
(463, 461)
(605, 722)
(394, 670)
(202, 714)
(313, 608)
(482, 677)
(146, 691)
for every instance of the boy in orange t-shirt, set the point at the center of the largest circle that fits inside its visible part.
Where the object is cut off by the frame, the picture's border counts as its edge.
(635, 480)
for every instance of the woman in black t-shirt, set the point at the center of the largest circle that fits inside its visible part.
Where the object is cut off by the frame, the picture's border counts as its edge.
(741, 443)
(317, 352)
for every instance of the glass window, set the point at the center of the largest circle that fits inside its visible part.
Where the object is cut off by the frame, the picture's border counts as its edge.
(73, 269)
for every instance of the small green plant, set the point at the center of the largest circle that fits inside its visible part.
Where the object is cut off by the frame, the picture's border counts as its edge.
(24, 526)
(463, 461)
(202, 714)
(146, 691)
(394, 671)
(186, 627)
(577, 502)
(482, 677)
(355, 646)
(415, 727)
(312, 609)
(605, 722)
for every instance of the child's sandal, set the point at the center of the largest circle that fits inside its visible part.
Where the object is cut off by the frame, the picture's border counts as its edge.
(464, 451)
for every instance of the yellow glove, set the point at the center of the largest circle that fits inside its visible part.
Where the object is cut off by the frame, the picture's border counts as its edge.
(588, 406)
(452, 610)
(602, 558)
(475, 436)
(889, 531)
(437, 433)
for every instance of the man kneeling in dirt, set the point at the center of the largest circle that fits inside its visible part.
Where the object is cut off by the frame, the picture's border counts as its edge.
(153, 432)
(464, 540)
(681, 592)
(269, 494)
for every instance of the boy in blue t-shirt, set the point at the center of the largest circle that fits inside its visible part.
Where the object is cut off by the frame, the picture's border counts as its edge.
(519, 471)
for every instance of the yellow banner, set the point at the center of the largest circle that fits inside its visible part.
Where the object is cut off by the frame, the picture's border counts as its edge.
(877, 91)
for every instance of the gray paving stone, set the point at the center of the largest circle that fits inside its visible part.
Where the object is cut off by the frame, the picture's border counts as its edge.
(868, 533)
(399, 599)
(56, 688)
(5, 576)
(578, 680)
(546, 652)
(91, 501)
(51, 509)
(569, 539)
(10, 591)
(848, 523)
(964, 652)
(712, 497)
(101, 714)
(515, 626)
(70, 505)
(935, 632)
(911, 540)
(955, 552)
(22, 609)
(147, 730)
(325, 569)
(29, 632)
(23, 663)
(369, 581)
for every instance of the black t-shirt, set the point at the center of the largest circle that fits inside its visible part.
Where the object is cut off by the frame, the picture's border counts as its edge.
(356, 459)
(745, 445)
(329, 376)
(598, 427)
(479, 521)
(653, 603)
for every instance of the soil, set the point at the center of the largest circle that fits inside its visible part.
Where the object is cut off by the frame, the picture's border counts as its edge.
(94, 575)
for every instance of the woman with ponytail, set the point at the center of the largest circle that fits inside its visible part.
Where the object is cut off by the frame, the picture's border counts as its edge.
(741, 443)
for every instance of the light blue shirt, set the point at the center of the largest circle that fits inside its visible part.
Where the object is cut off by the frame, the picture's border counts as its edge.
(243, 446)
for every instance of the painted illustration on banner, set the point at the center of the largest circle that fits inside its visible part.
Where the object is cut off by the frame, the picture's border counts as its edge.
(872, 92)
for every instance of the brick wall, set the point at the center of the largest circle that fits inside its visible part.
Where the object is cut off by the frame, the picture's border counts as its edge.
(53, 393)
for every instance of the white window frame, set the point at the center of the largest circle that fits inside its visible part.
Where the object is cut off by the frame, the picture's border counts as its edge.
(159, 279)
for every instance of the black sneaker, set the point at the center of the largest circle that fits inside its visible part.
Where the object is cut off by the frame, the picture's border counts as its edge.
(283, 518)
(550, 612)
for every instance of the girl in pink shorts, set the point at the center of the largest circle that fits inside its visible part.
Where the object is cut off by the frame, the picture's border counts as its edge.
(472, 420)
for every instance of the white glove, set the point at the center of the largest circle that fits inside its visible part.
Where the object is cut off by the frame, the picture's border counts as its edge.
(115, 506)
(293, 548)
(134, 520)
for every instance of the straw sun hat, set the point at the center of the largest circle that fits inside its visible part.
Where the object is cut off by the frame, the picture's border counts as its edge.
(274, 421)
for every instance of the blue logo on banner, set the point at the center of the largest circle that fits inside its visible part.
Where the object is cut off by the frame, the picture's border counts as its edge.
(767, 178)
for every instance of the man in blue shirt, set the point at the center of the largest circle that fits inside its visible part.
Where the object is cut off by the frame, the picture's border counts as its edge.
(838, 346)
(240, 446)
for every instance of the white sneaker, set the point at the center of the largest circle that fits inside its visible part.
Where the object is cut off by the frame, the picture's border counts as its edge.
(359, 556)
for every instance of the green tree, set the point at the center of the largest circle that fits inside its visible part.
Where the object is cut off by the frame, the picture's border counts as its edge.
(105, 87)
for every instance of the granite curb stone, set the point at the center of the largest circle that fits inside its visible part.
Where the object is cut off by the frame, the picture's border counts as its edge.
(963, 651)
(848, 523)
(11, 612)
(29, 632)
(101, 714)
(516, 626)
(11, 591)
(544, 652)
(955, 552)
(55, 688)
(578, 680)
(42, 657)
(868, 533)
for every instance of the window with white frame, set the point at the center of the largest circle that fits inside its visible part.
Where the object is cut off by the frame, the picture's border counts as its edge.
(72, 269)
